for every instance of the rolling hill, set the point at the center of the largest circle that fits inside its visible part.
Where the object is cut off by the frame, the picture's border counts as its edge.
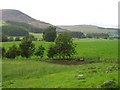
(91, 29)
(20, 19)
(18, 16)
(12, 19)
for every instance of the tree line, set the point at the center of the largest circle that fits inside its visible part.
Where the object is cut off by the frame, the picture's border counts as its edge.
(62, 48)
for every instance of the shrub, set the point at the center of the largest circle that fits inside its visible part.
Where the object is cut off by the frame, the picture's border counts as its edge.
(27, 48)
(40, 51)
(109, 84)
(52, 51)
(63, 48)
(12, 52)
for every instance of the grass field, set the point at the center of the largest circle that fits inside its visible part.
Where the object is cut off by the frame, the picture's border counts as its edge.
(37, 74)
(85, 47)
(29, 73)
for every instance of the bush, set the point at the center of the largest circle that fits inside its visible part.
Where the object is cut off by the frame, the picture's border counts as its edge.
(40, 51)
(52, 51)
(109, 84)
(2, 51)
(63, 48)
(4, 38)
(12, 52)
(27, 47)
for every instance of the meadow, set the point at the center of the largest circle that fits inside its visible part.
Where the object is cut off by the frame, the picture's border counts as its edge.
(37, 73)
(84, 47)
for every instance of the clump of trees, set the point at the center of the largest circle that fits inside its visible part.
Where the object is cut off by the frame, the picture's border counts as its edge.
(98, 35)
(77, 34)
(50, 34)
(25, 49)
(63, 47)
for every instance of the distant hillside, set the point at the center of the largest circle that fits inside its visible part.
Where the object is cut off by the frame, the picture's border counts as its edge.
(18, 28)
(91, 29)
(18, 16)
(20, 19)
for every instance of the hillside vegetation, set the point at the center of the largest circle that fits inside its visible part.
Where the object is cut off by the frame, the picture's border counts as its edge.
(11, 28)
(91, 29)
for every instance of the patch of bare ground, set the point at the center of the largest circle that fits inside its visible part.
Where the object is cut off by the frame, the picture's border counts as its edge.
(75, 61)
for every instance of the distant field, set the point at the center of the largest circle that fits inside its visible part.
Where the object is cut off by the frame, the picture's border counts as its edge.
(85, 47)
(37, 74)
(37, 35)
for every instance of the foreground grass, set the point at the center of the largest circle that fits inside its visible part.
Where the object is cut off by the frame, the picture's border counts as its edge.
(38, 74)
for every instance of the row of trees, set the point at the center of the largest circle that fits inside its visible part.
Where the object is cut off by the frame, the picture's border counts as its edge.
(5, 38)
(63, 48)
(98, 35)
(50, 34)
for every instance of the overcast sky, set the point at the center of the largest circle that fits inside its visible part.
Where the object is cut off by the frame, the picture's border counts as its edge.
(68, 12)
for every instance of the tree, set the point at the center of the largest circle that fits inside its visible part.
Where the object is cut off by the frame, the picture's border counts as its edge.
(12, 52)
(4, 38)
(50, 34)
(40, 51)
(27, 47)
(63, 48)
(2, 51)
(52, 51)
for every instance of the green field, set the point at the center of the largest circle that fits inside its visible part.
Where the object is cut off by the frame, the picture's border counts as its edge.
(31, 73)
(37, 74)
(85, 47)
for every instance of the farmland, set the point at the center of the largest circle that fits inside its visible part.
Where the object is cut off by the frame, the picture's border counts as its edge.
(31, 73)
(85, 47)
(37, 74)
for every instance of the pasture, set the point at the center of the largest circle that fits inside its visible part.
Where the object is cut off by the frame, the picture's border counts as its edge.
(84, 47)
(38, 74)
(31, 73)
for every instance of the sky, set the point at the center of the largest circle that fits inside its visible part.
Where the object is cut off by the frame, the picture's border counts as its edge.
(68, 12)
